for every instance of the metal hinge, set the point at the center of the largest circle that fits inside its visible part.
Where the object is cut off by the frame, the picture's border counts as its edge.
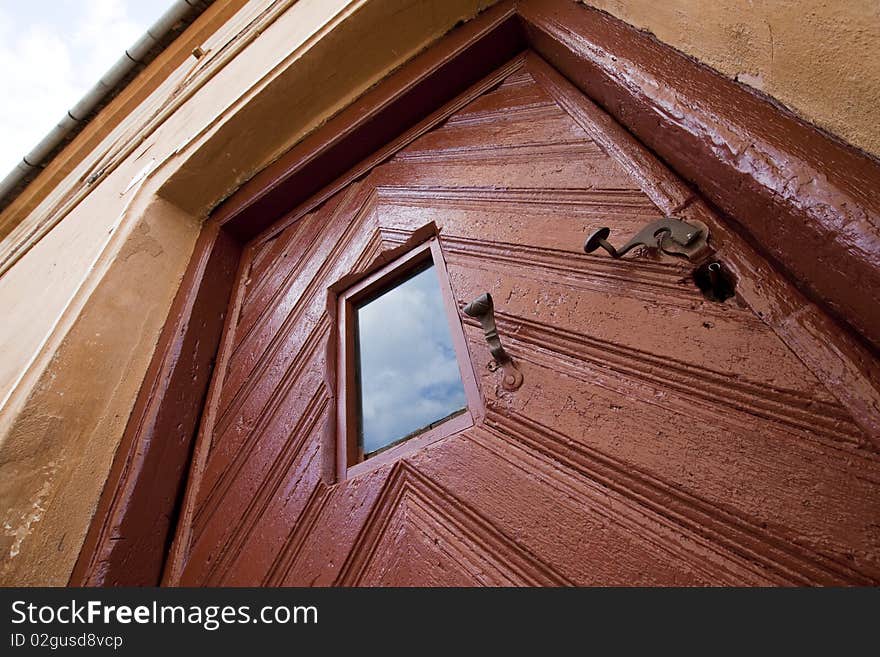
(669, 234)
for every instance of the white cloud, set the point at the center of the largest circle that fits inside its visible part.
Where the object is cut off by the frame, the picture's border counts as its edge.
(101, 37)
(408, 368)
(37, 82)
(50, 58)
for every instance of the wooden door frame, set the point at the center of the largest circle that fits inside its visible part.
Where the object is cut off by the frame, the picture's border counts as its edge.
(592, 57)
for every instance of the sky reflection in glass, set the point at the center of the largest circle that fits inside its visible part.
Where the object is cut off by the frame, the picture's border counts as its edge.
(409, 376)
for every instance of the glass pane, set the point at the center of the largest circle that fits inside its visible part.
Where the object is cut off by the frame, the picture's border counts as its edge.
(409, 376)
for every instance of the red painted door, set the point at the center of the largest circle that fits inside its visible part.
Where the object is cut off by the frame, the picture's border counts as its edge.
(658, 438)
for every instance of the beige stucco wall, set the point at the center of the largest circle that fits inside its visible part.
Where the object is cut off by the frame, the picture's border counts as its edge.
(83, 307)
(817, 57)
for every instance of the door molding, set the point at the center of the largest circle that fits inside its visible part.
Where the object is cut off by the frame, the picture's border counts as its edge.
(623, 71)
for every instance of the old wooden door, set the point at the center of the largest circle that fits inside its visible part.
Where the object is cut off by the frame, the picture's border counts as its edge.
(658, 437)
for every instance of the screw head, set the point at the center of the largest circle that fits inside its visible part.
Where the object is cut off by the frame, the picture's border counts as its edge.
(593, 241)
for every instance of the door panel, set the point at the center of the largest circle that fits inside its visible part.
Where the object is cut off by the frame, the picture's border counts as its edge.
(658, 437)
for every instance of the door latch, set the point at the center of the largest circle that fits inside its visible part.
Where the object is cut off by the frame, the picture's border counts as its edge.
(669, 234)
(483, 309)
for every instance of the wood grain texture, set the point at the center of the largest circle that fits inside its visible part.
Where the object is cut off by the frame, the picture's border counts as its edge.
(809, 200)
(838, 358)
(658, 438)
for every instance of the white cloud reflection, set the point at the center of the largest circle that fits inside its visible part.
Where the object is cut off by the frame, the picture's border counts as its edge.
(409, 372)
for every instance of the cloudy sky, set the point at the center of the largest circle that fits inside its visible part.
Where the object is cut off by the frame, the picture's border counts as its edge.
(51, 53)
(408, 370)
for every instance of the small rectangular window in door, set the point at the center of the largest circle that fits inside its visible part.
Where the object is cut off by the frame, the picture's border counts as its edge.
(403, 363)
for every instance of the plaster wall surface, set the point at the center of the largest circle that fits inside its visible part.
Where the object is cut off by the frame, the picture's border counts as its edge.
(817, 57)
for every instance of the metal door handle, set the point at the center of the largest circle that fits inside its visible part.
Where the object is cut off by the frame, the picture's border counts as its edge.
(483, 309)
(669, 234)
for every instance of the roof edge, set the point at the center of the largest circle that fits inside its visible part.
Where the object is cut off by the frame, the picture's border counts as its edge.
(147, 48)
